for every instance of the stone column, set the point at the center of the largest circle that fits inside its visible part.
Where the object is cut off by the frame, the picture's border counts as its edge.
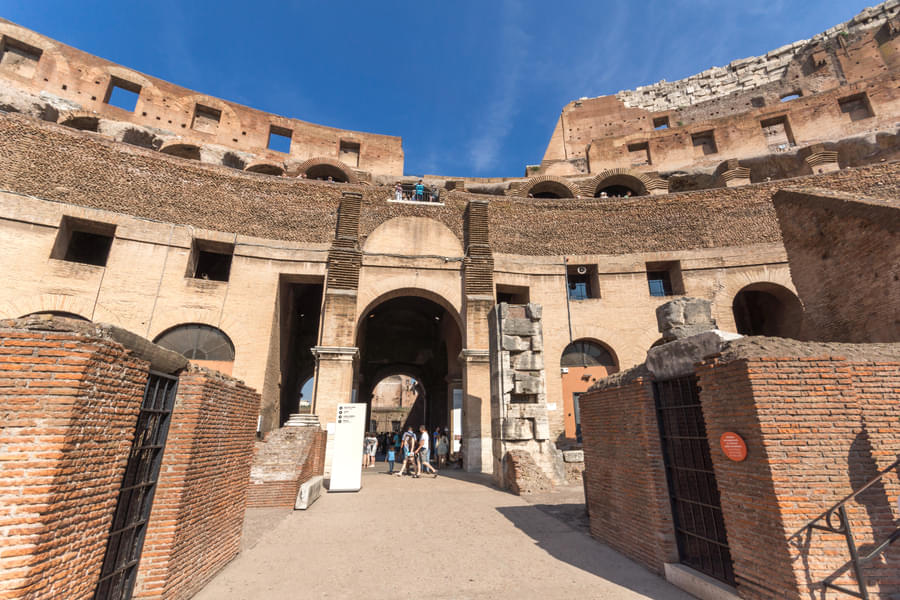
(476, 442)
(333, 385)
(821, 160)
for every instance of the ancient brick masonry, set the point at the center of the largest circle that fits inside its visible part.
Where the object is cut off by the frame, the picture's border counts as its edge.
(820, 420)
(625, 481)
(68, 407)
(198, 510)
(286, 460)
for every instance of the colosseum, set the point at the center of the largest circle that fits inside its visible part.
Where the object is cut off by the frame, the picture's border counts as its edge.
(303, 264)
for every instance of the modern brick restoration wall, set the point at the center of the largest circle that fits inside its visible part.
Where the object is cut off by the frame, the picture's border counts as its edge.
(840, 243)
(198, 511)
(287, 458)
(819, 420)
(625, 481)
(69, 402)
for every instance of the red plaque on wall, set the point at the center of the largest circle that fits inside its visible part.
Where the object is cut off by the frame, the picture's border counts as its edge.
(733, 446)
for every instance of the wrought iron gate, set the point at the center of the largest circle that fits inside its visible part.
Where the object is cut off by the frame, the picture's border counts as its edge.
(696, 507)
(126, 536)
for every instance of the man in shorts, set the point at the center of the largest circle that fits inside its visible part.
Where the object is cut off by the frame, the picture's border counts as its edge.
(422, 451)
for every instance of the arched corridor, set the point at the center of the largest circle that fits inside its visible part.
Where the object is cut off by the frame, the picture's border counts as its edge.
(767, 309)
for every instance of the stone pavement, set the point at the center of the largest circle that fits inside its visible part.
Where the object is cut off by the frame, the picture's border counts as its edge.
(455, 537)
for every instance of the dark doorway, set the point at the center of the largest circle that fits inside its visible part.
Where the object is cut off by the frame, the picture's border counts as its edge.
(416, 337)
(300, 307)
(615, 191)
(696, 505)
(767, 309)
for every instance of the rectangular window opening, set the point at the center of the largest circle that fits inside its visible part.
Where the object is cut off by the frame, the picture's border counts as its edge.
(122, 94)
(778, 133)
(279, 139)
(19, 57)
(512, 294)
(583, 283)
(83, 241)
(704, 143)
(791, 96)
(857, 107)
(639, 154)
(349, 153)
(205, 118)
(210, 260)
(664, 278)
(661, 123)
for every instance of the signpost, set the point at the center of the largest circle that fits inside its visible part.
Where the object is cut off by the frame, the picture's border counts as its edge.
(346, 462)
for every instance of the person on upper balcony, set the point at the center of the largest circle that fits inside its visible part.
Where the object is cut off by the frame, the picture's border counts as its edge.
(420, 191)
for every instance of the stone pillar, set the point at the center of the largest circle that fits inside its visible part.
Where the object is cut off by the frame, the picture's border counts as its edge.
(335, 366)
(732, 174)
(476, 442)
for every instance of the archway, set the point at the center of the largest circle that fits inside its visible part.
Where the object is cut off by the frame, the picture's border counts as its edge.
(415, 337)
(323, 168)
(393, 399)
(583, 362)
(617, 183)
(56, 313)
(767, 309)
(548, 187)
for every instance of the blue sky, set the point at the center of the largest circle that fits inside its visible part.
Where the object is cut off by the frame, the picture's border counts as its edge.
(474, 87)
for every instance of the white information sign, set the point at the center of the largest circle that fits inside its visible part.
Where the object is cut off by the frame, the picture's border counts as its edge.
(346, 462)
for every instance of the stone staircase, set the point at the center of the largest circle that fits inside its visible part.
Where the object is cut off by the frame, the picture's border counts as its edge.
(302, 420)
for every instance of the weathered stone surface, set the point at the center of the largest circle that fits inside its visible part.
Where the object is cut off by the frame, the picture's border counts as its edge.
(684, 317)
(514, 343)
(573, 456)
(522, 327)
(518, 429)
(528, 384)
(528, 361)
(679, 357)
(533, 311)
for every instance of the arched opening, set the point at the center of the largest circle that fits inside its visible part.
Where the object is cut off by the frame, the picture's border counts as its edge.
(410, 338)
(583, 362)
(144, 139)
(767, 309)
(265, 169)
(56, 313)
(324, 171)
(550, 189)
(188, 151)
(83, 123)
(620, 186)
(204, 345)
(393, 399)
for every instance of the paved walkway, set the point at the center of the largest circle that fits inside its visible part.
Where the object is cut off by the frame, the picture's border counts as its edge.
(463, 539)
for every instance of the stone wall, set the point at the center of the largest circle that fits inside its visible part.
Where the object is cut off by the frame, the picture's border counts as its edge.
(70, 401)
(844, 254)
(519, 400)
(198, 510)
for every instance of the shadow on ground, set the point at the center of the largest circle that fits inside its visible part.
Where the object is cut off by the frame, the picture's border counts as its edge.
(558, 542)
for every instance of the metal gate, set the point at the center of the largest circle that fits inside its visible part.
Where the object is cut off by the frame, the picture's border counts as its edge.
(126, 537)
(696, 507)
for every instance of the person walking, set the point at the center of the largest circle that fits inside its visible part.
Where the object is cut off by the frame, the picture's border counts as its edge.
(371, 447)
(407, 448)
(398, 192)
(422, 452)
(434, 441)
(391, 456)
(443, 448)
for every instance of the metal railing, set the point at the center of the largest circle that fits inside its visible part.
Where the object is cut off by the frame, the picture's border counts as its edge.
(826, 522)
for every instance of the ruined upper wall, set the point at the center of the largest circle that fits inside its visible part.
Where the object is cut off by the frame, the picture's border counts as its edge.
(839, 85)
(50, 80)
(55, 163)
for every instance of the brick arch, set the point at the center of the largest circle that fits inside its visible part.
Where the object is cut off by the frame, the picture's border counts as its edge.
(187, 104)
(83, 307)
(596, 342)
(639, 183)
(548, 184)
(266, 167)
(331, 163)
(181, 149)
(80, 119)
(419, 292)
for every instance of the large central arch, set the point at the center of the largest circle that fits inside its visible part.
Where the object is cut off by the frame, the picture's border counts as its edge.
(413, 333)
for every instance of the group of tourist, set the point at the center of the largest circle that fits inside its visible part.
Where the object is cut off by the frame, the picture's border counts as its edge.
(416, 193)
(412, 453)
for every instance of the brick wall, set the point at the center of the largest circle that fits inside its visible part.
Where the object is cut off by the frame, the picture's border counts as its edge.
(819, 421)
(840, 242)
(68, 408)
(198, 511)
(625, 481)
(287, 458)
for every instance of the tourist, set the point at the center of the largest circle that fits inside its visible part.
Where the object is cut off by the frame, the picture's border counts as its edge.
(435, 194)
(422, 453)
(420, 191)
(407, 446)
(434, 439)
(371, 447)
(398, 192)
(443, 448)
(391, 456)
